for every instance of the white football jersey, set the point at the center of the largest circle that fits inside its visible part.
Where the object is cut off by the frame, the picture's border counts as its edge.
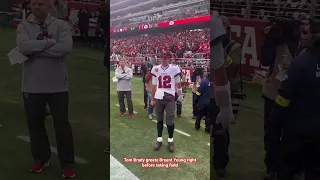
(165, 79)
(217, 29)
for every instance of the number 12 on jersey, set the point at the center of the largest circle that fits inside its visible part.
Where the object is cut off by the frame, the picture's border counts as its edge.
(164, 82)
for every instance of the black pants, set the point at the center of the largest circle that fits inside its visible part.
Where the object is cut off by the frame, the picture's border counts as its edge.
(195, 103)
(121, 95)
(84, 33)
(35, 105)
(179, 108)
(178, 104)
(203, 111)
(145, 96)
(297, 149)
(220, 140)
(272, 135)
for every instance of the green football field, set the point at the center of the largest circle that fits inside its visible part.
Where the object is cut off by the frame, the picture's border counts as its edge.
(130, 138)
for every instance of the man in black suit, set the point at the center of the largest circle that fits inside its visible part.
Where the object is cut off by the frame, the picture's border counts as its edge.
(144, 70)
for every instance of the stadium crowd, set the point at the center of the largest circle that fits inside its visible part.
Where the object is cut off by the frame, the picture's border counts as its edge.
(178, 43)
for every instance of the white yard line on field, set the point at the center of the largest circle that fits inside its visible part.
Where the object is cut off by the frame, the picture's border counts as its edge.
(177, 130)
(119, 172)
(55, 151)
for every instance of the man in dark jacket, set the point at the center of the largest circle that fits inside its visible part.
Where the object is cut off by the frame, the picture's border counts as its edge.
(296, 111)
(204, 102)
(144, 70)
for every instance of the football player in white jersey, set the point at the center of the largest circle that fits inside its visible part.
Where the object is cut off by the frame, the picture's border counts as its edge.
(220, 97)
(166, 82)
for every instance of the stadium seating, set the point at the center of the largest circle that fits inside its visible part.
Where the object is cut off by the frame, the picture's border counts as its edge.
(259, 9)
(91, 1)
(161, 16)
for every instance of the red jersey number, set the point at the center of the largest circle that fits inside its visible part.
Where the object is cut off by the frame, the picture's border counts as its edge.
(164, 82)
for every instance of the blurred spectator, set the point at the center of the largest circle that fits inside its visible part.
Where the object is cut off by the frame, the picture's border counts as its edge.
(61, 9)
(25, 9)
(84, 16)
(103, 21)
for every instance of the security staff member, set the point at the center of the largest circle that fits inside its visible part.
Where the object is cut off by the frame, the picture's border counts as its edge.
(204, 101)
(197, 75)
(296, 110)
(277, 51)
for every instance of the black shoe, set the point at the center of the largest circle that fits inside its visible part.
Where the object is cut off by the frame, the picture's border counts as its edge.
(171, 146)
(269, 176)
(207, 130)
(221, 173)
(107, 150)
(157, 146)
(197, 127)
(179, 115)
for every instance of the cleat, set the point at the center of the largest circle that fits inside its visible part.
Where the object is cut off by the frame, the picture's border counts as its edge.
(269, 176)
(150, 117)
(157, 146)
(68, 173)
(122, 114)
(131, 116)
(38, 167)
(171, 146)
(106, 150)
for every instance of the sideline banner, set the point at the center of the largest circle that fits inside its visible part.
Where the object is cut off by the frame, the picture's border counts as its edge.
(249, 33)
